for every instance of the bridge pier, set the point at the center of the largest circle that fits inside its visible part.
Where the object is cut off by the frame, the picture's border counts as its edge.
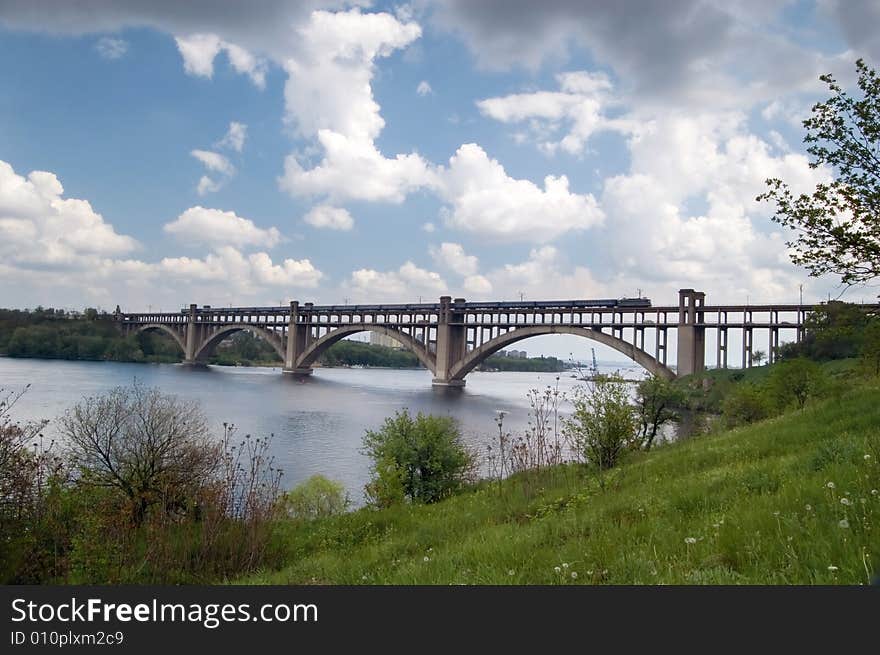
(691, 334)
(297, 341)
(451, 342)
(192, 344)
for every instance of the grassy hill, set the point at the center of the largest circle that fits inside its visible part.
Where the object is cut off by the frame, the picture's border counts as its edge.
(791, 500)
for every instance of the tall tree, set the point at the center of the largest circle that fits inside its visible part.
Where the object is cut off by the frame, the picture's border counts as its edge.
(838, 225)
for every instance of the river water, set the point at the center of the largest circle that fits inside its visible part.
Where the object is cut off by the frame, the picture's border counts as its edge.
(317, 423)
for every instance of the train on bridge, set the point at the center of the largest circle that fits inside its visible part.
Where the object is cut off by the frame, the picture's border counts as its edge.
(427, 307)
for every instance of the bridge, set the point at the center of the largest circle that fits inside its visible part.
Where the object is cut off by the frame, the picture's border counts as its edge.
(452, 337)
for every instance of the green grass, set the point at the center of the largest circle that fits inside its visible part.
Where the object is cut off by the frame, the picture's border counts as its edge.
(749, 506)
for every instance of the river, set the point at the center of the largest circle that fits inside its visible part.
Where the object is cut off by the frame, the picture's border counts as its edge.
(317, 423)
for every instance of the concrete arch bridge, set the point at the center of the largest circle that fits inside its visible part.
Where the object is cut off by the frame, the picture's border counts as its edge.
(452, 337)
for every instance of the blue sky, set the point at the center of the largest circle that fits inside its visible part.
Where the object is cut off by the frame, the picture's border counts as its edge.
(216, 153)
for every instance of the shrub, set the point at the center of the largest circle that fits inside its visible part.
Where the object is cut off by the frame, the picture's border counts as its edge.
(419, 459)
(151, 447)
(602, 426)
(794, 381)
(316, 498)
(746, 403)
(655, 399)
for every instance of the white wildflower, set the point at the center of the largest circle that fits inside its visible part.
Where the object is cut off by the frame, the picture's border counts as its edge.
(843, 523)
(690, 540)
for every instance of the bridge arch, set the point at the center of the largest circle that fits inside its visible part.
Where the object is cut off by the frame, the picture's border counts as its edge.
(474, 357)
(212, 340)
(174, 334)
(317, 347)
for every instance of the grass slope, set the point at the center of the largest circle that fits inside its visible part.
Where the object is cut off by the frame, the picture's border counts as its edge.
(792, 500)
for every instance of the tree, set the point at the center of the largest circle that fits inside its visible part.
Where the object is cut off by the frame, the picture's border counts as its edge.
(871, 348)
(792, 382)
(838, 225)
(758, 357)
(150, 447)
(655, 398)
(421, 459)
(746, 403)
(602, 426)
(316, 498)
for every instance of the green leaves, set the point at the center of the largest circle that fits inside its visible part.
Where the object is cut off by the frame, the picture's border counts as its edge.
(838, 225)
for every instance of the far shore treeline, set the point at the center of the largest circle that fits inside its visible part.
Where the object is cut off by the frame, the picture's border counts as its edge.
(91, 335)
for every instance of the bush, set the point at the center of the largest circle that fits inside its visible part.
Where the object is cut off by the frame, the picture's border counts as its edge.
(793, 382)
(746, 403)
(421, 460)
(316, 498)
(151, 447)
(602, 426)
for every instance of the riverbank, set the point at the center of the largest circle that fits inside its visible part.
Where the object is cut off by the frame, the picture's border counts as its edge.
(790, 500)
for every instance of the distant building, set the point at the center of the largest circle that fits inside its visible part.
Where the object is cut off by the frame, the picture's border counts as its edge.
(518, 354)
(377, 339)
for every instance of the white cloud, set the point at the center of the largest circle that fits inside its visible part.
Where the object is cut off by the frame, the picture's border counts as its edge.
(330, 218)
(424, 89)
(544, 275)
(694, 213)
(227, 265)
(235, 137)
(477, 286)
(290, 272)
(198, 52)
(353, 169)
(429, 227)
(207, 185)
(213, 226)
(39, 227)
(329, 97)
(486, 200)
(110, 48)
(452, 257)
(580, 104)
(217, 163)
(407, 283)
(214, 161)
(200, 49)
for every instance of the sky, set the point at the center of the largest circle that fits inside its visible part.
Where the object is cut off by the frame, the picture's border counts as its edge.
(155, 153)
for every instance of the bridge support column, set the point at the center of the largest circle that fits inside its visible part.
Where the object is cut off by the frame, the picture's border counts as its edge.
(191, 338)
(451, 342)
(691, 335)
(297, 341)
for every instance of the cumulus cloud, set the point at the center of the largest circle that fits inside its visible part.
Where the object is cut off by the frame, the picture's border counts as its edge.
(424, 89)
(354, 169)
(485, 200)
(200, 225)
(695, 214)
(330, 218)
(216, 163)
(111, 48)
(328, 96)
(226, 264)
(39, 227)
(200, 49)
(680, 53)
(581, 103)
(452, 257)
(406, 283)
(235, 137)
